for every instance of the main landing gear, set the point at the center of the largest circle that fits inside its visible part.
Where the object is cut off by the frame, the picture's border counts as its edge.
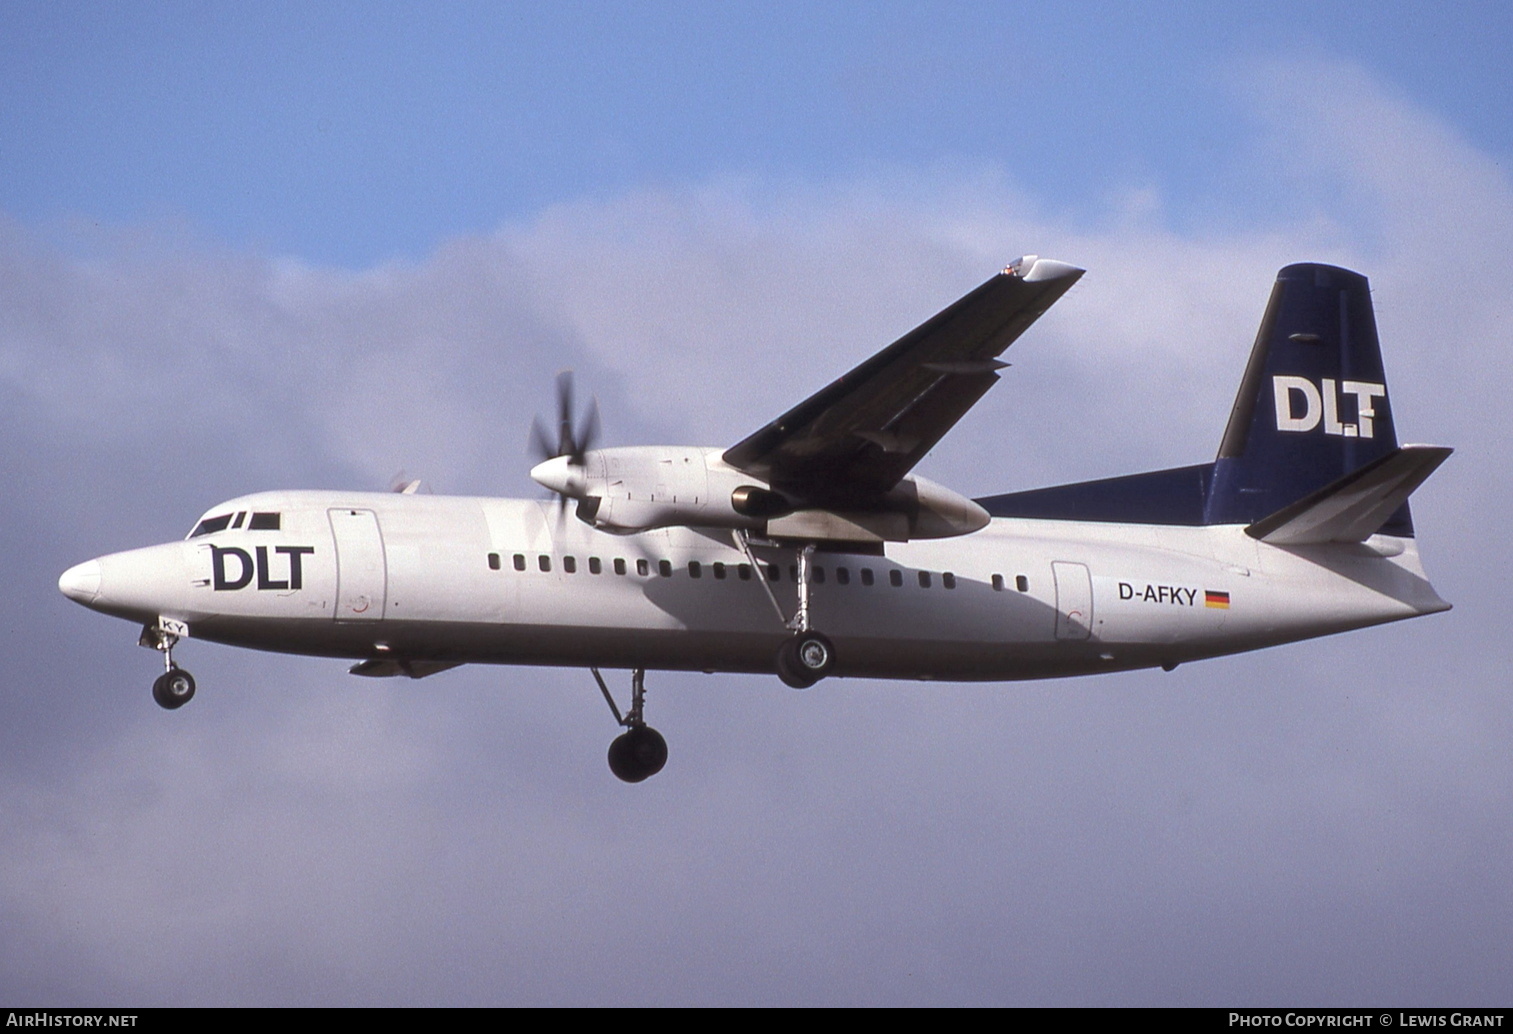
(804, 659)
(175, 687)
(807, 656)
(640, 751)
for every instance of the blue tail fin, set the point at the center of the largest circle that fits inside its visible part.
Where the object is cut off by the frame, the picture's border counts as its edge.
(1313, 406)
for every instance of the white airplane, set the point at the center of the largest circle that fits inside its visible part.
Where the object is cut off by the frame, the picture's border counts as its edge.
(809, 549)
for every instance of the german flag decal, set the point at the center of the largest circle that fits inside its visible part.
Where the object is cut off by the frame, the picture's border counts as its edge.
(1215, 598)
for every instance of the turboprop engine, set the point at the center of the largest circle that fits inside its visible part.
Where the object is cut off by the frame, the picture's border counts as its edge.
(627, 490)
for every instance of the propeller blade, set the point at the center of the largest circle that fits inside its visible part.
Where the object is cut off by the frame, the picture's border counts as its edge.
(571, 444)
(541, 442)
(565, 414)
(587, 434)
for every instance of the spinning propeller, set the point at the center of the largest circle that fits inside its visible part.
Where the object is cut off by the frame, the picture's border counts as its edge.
(569, 444)
(562, 465)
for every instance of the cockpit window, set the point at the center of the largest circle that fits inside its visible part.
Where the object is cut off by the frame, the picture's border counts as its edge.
(223, 521)
(210, 525)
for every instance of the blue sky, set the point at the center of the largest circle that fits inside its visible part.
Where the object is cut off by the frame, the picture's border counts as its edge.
(255, 246)
(351, 133)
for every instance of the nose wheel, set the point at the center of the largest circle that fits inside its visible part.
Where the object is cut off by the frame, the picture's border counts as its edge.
(639, 752)
(175, 687)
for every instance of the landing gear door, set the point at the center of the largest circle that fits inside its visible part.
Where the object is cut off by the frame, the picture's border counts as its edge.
(361, 573)
(1074, 601)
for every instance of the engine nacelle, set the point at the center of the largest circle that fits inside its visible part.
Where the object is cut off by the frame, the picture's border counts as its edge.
(627, 490)
(751, 501)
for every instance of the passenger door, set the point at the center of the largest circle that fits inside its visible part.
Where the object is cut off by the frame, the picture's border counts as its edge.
(361, 572)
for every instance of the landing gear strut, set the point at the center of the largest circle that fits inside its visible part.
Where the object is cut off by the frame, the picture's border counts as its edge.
(807, 656)
(640, 752)
(175, 687)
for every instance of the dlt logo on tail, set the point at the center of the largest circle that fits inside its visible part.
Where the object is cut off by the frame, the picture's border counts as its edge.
(1322, 404)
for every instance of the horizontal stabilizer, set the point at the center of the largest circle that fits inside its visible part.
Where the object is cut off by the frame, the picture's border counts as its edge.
(1354, 507)
(390, 667)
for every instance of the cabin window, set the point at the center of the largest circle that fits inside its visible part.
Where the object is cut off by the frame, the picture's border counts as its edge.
(619, 565)
(744, 571)
(263, 522)
(642, 567)
(664, 568)
(719, 570)
(896, 578)
(494, 561)
(774, 572)
(211, 525)
(595, 566)
(694, 570)
(843, 575)
(818, 573)
(520, 561)
(1022, 583)
(998, 583)
(544, 562)
(570, 564)
(866, 576)
(948, 580)
(924, 579)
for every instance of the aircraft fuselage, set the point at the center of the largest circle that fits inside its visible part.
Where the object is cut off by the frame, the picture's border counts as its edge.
(438, 579)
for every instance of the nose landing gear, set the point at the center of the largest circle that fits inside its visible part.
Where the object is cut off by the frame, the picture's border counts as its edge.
(640, 752)
(175, 687)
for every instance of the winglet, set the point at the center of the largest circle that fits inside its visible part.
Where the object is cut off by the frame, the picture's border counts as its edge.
(1033, 269)
(1354, 507)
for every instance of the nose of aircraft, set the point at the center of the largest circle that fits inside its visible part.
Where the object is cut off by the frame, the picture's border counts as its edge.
(81, 583)
(138, 584)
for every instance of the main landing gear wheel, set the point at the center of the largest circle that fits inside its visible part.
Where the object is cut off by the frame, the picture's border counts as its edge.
(804, 659)
(640, 751)
(637, 754)
(173, 689)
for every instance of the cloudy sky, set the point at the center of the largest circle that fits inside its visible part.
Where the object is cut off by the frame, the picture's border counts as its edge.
(295, 245)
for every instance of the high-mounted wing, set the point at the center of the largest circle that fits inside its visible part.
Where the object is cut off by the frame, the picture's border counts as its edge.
(855, 439)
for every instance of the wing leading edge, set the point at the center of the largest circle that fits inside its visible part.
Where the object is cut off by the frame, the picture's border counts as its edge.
(858, 437)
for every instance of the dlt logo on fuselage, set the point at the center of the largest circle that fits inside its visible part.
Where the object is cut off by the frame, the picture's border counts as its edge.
(246, 568)
(1321, 404)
